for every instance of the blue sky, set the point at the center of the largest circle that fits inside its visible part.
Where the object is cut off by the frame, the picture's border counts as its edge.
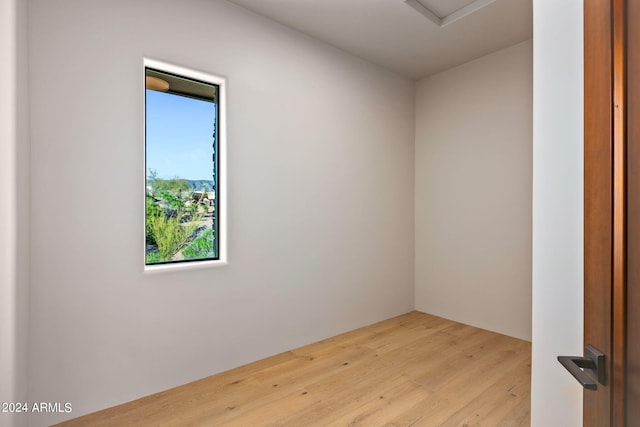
(179, 136)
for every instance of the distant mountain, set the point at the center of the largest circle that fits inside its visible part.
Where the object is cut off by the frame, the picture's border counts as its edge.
(194, 184)
(200, 184)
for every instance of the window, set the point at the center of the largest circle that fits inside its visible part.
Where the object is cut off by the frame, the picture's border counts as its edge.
(184, 147)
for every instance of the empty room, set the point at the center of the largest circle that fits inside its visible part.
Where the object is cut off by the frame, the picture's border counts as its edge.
(292, 212)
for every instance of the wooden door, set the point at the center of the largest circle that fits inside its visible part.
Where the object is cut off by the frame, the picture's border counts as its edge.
(598, 199)
(612, 207)
(633, 214)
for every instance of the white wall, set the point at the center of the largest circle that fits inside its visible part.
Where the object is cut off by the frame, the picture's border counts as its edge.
(557, 210)
(320, 184)
(473, 192)
(14, 211)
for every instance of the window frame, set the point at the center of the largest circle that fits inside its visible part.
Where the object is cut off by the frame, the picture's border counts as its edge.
(221, 187)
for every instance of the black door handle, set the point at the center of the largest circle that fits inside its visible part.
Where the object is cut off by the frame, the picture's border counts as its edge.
(586, 369)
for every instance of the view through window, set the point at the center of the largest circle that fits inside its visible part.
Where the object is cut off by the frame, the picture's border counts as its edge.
(181, 162)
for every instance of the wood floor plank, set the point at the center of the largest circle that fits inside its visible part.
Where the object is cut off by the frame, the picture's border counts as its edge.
(464, 384)
(411, 370)
(486, 407)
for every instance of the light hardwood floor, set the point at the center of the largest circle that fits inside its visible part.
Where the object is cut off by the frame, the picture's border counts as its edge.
(411, 370)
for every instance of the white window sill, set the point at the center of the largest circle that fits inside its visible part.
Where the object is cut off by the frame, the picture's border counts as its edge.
(183, 266)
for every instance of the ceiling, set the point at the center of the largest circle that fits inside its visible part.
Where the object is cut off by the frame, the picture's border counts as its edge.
(413, 40)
